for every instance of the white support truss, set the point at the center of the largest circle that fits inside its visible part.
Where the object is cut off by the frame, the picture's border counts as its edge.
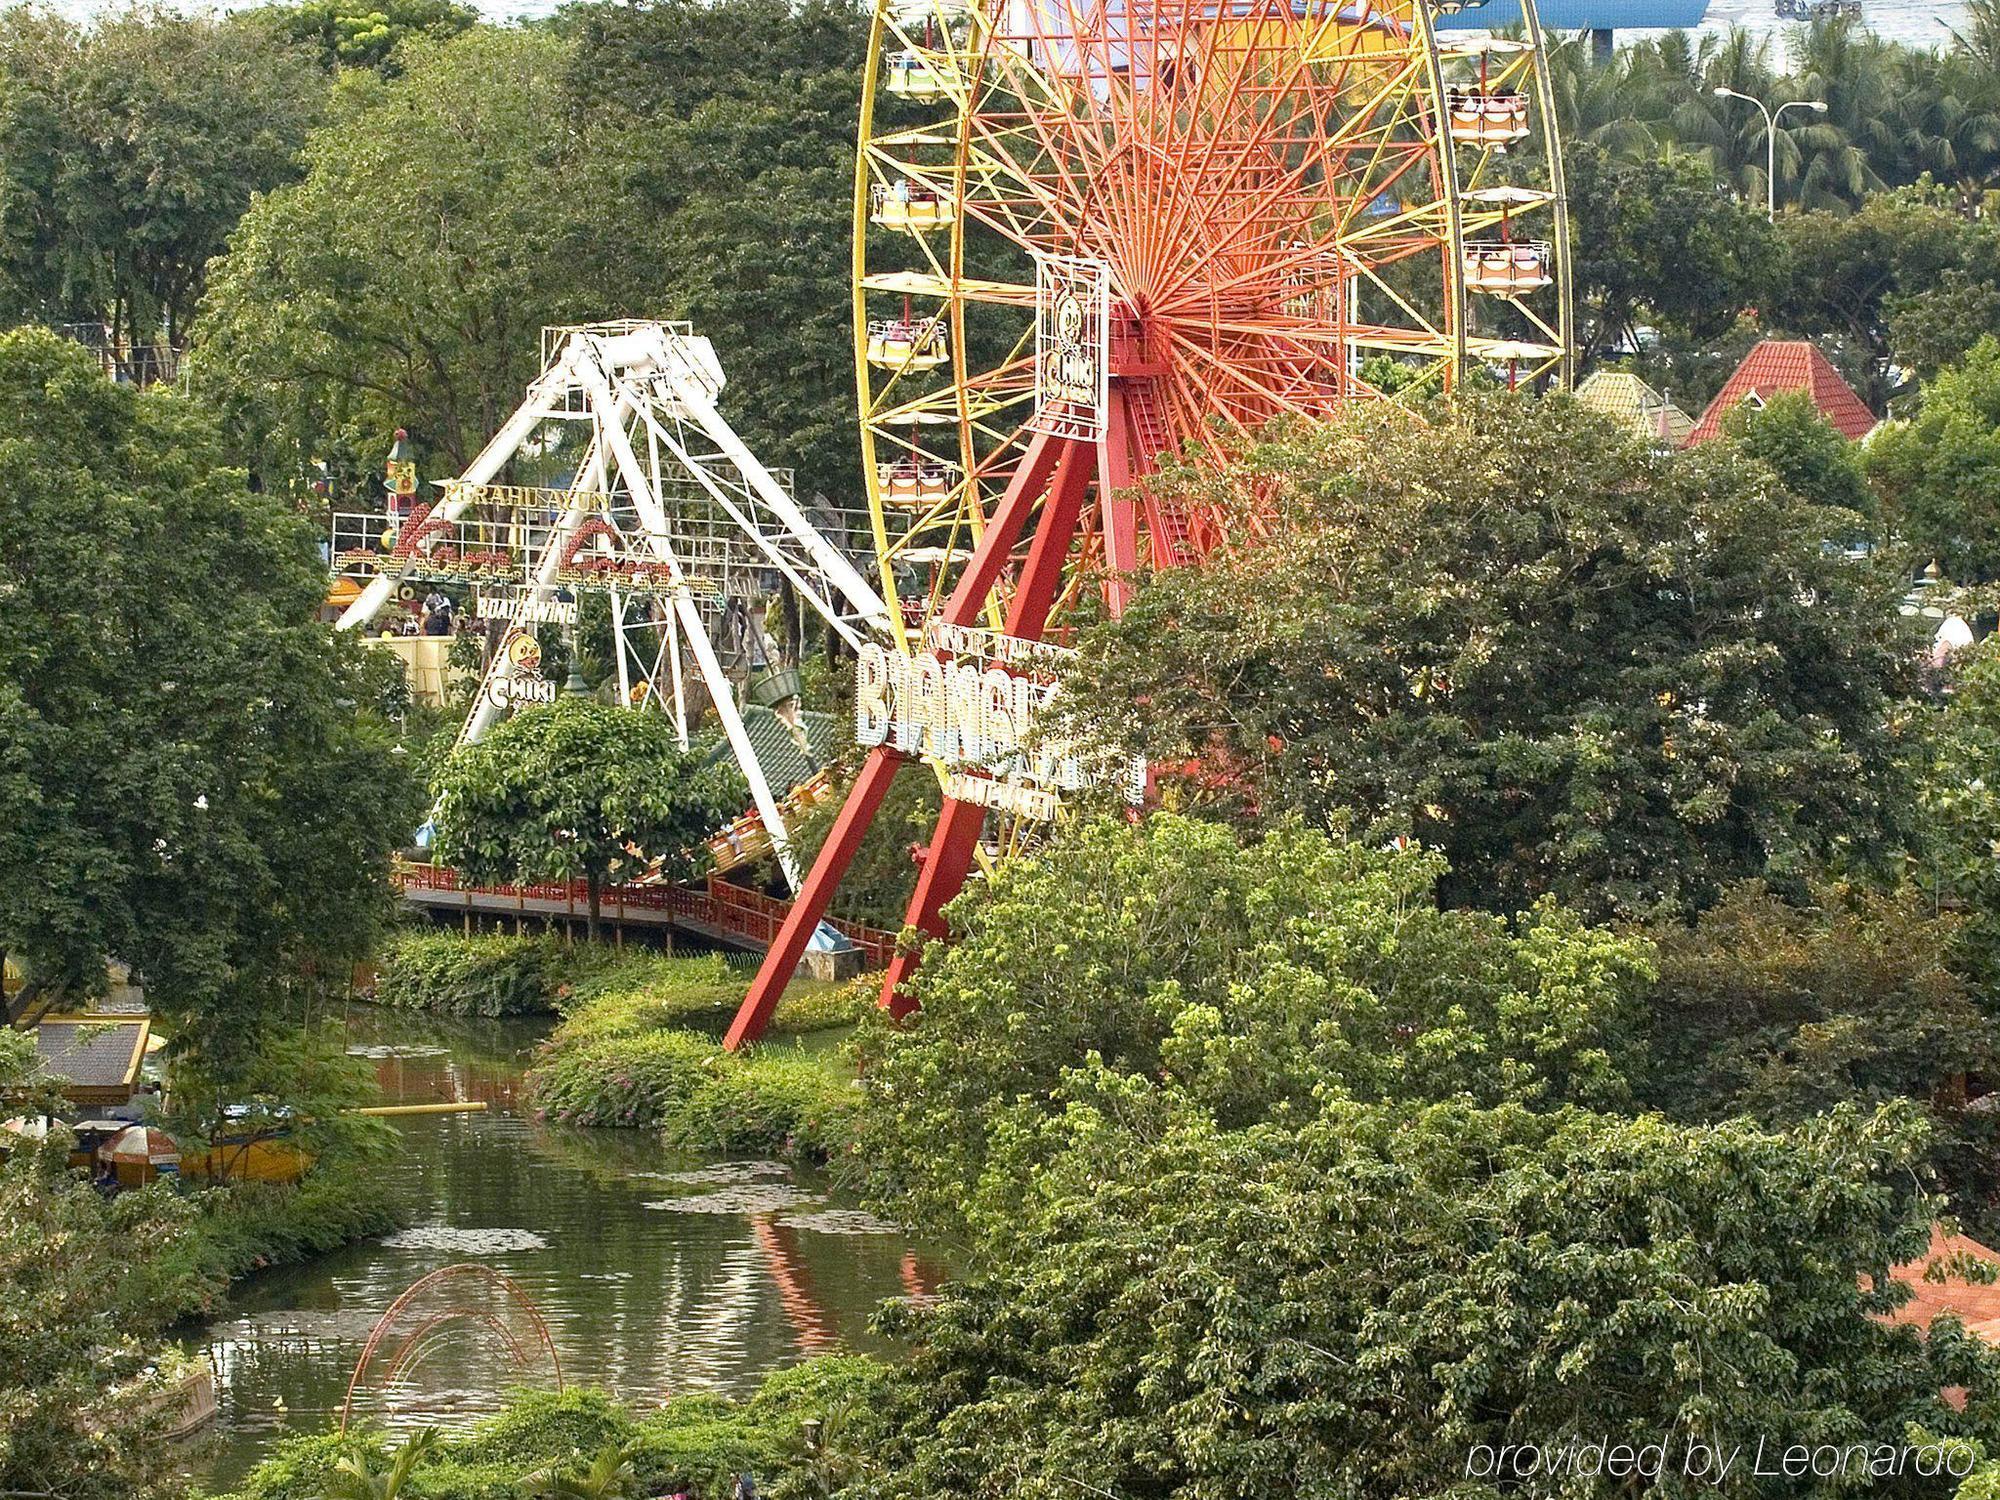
(667, 502)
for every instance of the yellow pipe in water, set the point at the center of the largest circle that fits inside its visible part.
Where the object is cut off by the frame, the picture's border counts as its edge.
(464, 1107)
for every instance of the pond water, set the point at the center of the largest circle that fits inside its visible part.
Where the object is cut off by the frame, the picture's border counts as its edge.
(652, 1273)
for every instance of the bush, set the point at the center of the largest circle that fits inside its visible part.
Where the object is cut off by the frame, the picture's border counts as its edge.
(763, 1102)
(251, 1226)
(640, 992)
(694, 1442)
(492, 975)
(603, 990)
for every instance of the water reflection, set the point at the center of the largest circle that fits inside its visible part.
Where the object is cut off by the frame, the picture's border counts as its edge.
(654, 1273)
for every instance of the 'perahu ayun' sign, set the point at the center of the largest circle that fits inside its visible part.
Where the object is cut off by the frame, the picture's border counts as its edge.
(977, 718)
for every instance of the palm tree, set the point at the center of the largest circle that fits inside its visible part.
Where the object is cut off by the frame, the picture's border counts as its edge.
(357, 1477)
(1832, 158)
(609, 1477)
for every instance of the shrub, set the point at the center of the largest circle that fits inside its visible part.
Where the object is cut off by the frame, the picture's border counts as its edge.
(250, 1226)
(540, 1425)
(639, 992)
(760, 1102)
(492, 975)
(698, 1442)
(602, 990)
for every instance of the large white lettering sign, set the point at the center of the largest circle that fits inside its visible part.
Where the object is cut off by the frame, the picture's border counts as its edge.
(965, 709)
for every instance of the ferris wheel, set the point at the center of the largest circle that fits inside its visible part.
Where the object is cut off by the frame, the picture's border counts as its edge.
(1268, 207)
(1089, 233)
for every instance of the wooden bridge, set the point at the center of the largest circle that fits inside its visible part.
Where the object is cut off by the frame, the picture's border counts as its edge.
(716, 911)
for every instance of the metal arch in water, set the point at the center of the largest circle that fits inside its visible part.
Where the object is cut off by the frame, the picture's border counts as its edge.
(459, 1307)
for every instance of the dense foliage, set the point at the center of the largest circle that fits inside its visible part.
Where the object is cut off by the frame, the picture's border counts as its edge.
(1275, 1178)
(1577, 666)
(665, 160)
(1148, 972)
(638, 1049)
(129, 147)
(1939, 474)
(494, 974)
(1790, 437)
(1356, 1307)
(693, 1443)
(190, 777)
(1960, 862)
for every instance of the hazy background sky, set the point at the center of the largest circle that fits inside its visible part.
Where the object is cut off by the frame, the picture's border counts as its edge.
(1922, 22)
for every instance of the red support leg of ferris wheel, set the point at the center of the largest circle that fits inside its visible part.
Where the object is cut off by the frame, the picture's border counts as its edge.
(956, 839)
(864, 800)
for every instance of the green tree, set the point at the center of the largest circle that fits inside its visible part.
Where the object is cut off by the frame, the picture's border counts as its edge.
(1790, 437)
(364, 33)
(1781, 1012)
(1846, 271)
(1377, 1302)
(1939, 473)
(445, 216)
(730, 126)
(129, 147)
(1655, 241)
(1960, 862)
(1247, 986)
(659, 160)
(81, 1281)
(1576, 666)
(189, 778)
(581, 789)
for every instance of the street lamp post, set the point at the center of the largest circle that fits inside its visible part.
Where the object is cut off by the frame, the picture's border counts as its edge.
(1771, 117)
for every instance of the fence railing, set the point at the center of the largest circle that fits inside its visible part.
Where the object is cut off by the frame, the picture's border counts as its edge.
(717, 904)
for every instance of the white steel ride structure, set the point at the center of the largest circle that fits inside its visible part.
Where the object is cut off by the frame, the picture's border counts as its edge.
(669, 513)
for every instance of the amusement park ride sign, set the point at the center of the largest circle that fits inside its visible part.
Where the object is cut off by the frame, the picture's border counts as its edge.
(1072, 346)
(521, 680)
(959, 703)
(523, 608)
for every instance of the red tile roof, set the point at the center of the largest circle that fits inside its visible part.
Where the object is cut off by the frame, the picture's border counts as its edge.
(1779, 365)
(1977, 1306)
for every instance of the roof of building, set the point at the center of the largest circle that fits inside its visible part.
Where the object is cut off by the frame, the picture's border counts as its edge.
(94, 1051)
(1977, 1306)
(1636, 406)
(784, 763)
(1776, 366)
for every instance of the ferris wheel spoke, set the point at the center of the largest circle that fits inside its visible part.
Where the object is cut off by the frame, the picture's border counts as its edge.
(1252, 139)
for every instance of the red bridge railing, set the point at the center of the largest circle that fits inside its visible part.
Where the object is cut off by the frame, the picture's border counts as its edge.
(715, 904)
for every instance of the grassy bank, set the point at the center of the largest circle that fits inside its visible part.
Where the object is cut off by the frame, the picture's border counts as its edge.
(248, 1227)
(487, 975)
(500, 975)
(694, 1443)
(638, 1048)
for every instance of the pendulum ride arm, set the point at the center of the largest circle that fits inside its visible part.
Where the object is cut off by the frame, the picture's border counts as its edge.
(544, 400)
(590, 475)
(832, 564)
(653, 519)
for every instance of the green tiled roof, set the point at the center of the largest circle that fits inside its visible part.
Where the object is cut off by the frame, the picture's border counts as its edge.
(784, 764)
(1636, 406)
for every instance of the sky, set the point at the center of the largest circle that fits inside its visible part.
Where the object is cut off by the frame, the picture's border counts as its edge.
(1919, 22)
